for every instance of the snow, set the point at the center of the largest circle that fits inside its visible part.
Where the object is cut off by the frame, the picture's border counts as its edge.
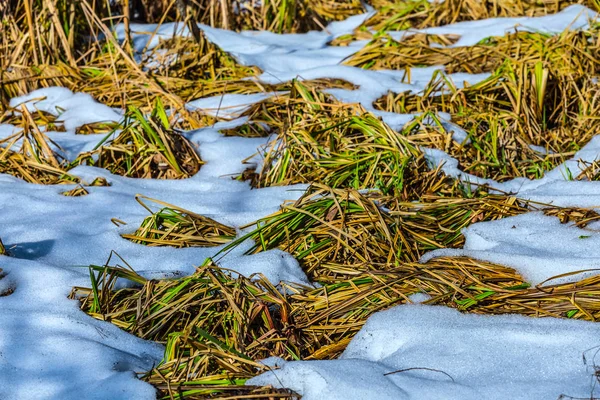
(72, 109)
(517, 242)
(49, 349)
(228, 105)
(426, 352)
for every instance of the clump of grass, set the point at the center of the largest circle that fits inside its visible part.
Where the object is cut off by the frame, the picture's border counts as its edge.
(145, 148)
(499, 290)
(187, 58)
(180, 69)
(565, 53)
(176, 71)
(508, 117)
(214, 326)
(30, 155)
(322, 140)
(177, 227)
(290, 103)
(274, 15)
(77, 191)
(26, 119)
(340, 233)
(357, 151)
(3, 251)
(590, 171)
(80, 189)
(580, 217)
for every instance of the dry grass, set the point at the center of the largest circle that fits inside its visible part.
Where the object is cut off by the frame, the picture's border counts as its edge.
(145, 148)
(419, 14)
(177, 227)
(320, 139)
(30, 155)
(568, 52)
(80, 189)
(273, 15)
(341, 233)
(521, 105)
(374, 207)
(214, 325)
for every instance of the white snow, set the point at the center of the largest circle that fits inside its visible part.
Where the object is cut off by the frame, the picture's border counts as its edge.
(72, 109)
(539, 247)
(228, 105)
(49, 349)
(425, 352)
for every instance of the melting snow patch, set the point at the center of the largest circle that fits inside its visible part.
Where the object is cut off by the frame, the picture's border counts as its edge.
(423, 352)
(539, 247)
(73, 109)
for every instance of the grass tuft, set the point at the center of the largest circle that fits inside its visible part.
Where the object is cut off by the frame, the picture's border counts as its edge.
(145, 148)
(176, 227)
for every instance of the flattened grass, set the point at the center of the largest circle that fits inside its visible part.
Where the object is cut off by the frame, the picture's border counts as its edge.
(322, 140)
(341, 233)
(565, 53)
(173, 226)
(418, 14)
(214, 327)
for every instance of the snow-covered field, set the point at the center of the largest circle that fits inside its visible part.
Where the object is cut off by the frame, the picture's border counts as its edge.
(49, 349)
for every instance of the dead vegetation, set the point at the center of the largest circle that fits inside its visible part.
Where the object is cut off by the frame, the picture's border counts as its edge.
(419, 14)
(30, 155)
(215, 326)
(173, 226)
(520, 122)
(145, 148)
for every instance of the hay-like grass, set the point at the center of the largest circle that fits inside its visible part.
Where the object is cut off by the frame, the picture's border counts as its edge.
(77, 191)
(340, 233)
(520, 122)
(279, 16)
(145, 148)
(177, 227)
(30, 155)
(305, 323)
(570, 52)
(590, 171)
(214, 327)
(176, 71)
(418, 14)
(322, 140)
